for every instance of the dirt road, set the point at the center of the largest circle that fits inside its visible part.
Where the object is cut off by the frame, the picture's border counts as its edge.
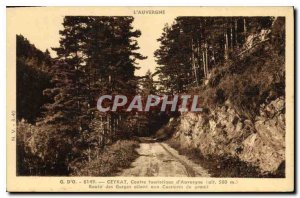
(159, 159)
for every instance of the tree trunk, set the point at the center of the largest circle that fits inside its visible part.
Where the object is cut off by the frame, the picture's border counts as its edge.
(235, 33)
(213, 57)
(245, 28)
(231, 38)
(204, 67)
(199, 55)
(226, 47)
(206, 60)
(194, 64)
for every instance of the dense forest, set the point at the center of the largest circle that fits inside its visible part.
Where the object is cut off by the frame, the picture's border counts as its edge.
(61, 132)
(96, 57)
(195, 51)
(192, 46)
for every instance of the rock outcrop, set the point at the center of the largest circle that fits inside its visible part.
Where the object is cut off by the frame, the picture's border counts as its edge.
(222, 132)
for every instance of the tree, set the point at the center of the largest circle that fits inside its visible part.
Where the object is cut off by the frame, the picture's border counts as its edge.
(96, 57)
(192, 46)
(32, 78)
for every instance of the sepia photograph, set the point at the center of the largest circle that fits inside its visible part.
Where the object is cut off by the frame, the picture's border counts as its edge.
(150, 99)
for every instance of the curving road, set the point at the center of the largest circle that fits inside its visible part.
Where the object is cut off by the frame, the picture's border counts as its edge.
(160, 160)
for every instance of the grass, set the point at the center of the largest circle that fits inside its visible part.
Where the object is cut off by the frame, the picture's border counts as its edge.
(247, 82)
(111, 160)
(224, 166)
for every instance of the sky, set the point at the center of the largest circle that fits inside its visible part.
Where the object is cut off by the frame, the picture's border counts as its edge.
(151, 28)
(42, 30)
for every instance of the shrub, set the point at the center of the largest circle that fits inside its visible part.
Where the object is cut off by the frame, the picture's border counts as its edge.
(110, 160)
(247, 82)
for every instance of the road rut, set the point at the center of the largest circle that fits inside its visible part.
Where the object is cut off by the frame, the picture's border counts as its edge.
(160, 160)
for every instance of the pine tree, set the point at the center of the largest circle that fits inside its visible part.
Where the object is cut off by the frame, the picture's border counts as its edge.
(96, 57)
(192, 46)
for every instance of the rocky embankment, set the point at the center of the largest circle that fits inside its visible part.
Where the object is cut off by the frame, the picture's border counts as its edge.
(221, 132)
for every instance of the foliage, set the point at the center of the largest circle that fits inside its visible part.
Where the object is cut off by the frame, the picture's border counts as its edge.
(192, 46)
(39, 151)
(96, 56)
(250, 81)
(32, 78)
(110, 160)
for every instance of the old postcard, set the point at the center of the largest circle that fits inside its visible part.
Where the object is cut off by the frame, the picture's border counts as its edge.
(150, 99)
